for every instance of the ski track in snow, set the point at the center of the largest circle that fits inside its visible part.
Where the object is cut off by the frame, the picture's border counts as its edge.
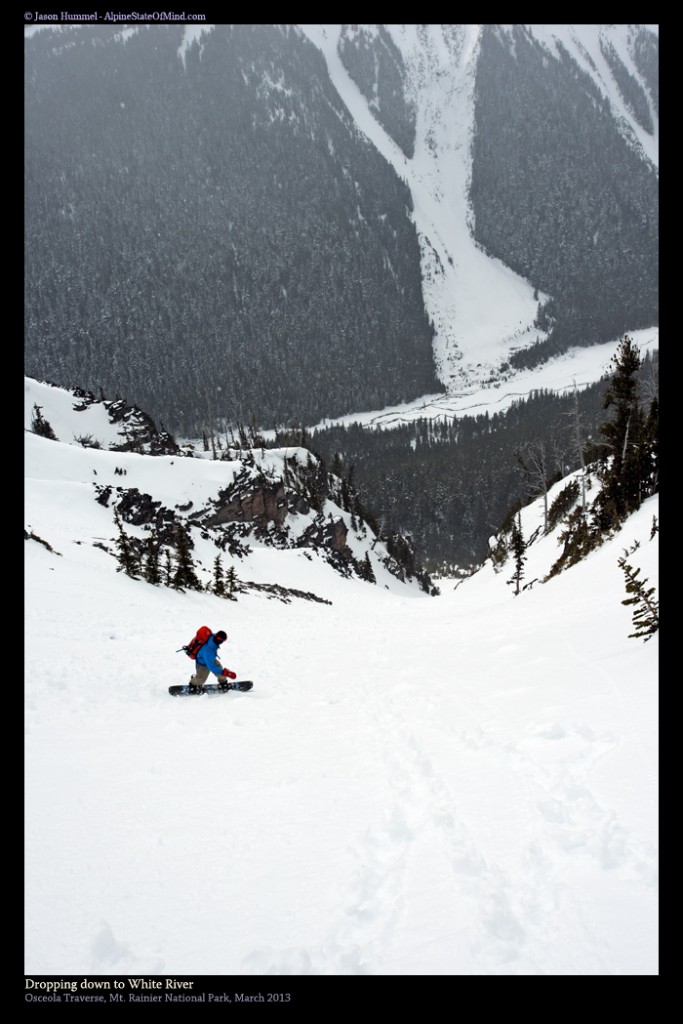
(572, 822)
(454, 785)
(505, 911)
(409, 789)
(509, 918)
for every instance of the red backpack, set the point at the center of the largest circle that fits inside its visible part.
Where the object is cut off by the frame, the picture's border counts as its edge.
(197, 641)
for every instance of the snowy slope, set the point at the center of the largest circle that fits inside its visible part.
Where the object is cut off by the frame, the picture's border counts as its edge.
(481, 310)
(461, 785)
(193, 490)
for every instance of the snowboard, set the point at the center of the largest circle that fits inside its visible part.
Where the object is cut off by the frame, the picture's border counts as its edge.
(223, 687)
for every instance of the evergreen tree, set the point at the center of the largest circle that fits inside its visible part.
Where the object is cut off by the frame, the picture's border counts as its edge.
(368, 571)
(232, 583)
(564, 502)
(645, 606)
(518, 548)
(152, 570)
(621, 468)
(39, 425)
(218, 578)
(185, 576)
(577, 539)
(168, 569)
(127, 555)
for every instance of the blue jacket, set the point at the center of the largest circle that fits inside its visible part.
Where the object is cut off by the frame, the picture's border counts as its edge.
(208, 656)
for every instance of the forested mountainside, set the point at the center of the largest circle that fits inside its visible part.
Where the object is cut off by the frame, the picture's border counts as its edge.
(211, 235)
(559, 192)
(376, 65)
(450, 484)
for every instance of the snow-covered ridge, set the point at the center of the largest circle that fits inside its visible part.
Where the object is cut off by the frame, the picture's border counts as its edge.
(268, 514)
(78, 417)
(544, 545)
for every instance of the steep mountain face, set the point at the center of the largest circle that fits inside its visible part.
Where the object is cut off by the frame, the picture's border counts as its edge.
(296, 222)
(214, 505)
(248, 252)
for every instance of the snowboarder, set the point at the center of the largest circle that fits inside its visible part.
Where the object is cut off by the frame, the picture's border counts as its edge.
(207, 661)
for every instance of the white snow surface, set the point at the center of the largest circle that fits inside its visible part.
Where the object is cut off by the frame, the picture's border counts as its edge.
(454, 785)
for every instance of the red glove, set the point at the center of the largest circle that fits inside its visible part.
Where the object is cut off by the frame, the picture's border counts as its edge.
(229, 674)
